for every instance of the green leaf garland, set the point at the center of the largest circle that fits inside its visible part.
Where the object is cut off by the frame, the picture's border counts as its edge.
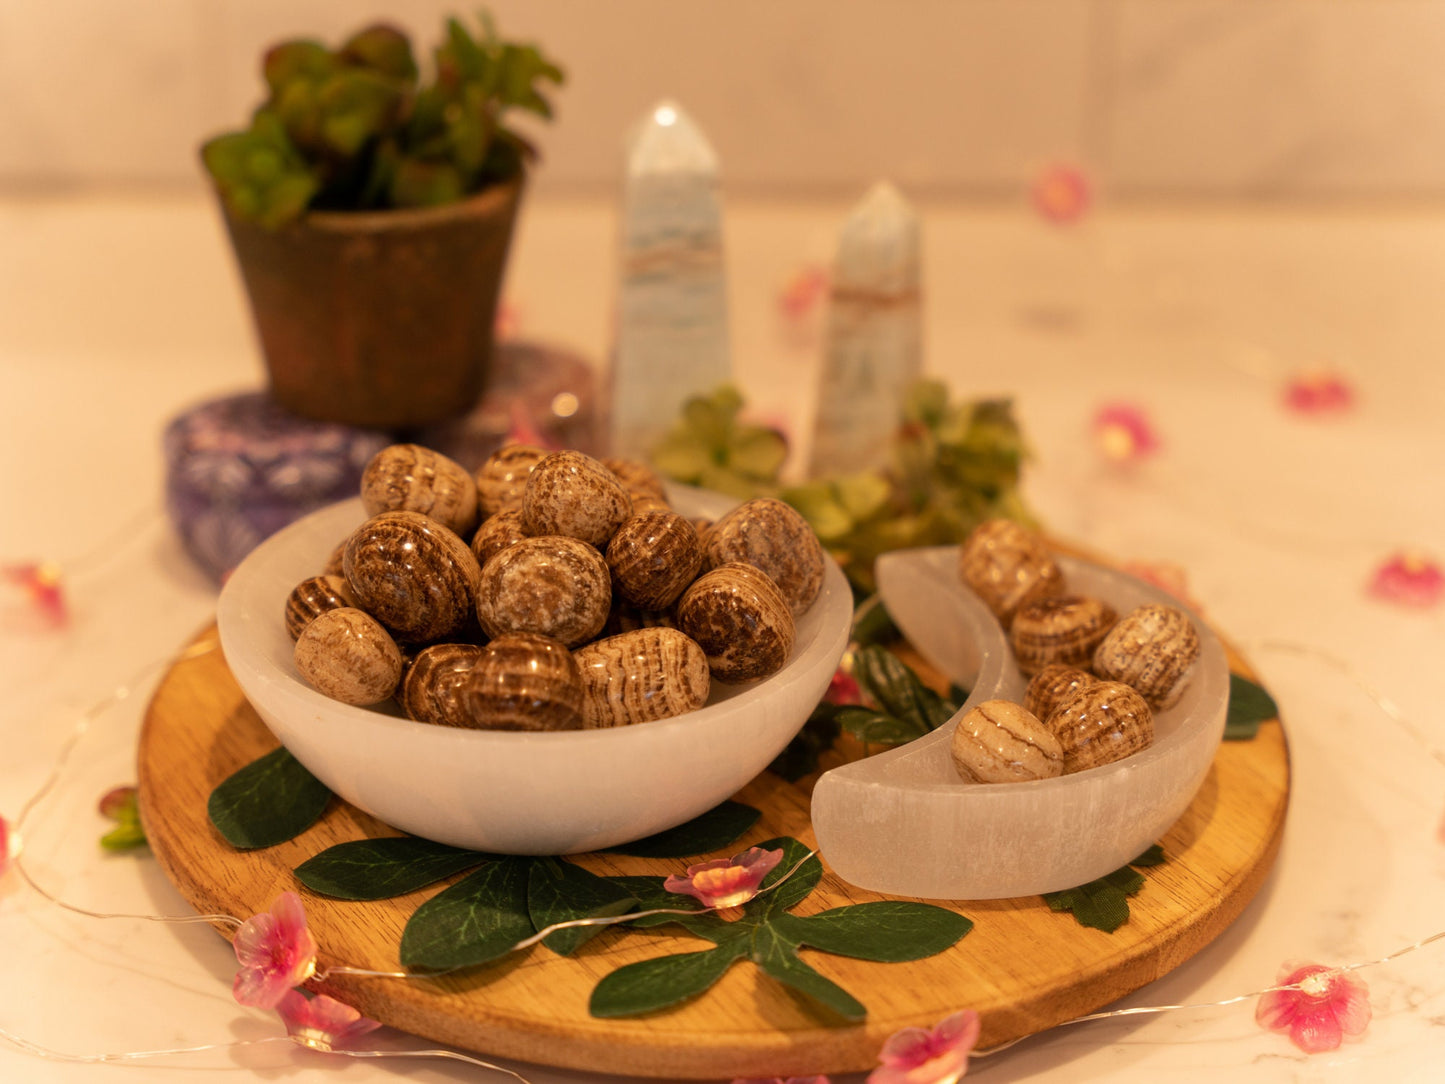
(906, 707)
(771, 937)
(476, 920)
(559, 891)
(269, 801)
(1104, 904)
(1249, 705)
(377, 869)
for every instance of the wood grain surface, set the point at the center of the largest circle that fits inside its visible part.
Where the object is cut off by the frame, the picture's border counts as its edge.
(1023, 968)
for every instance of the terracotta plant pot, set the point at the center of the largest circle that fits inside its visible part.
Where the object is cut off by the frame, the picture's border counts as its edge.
(379, 318)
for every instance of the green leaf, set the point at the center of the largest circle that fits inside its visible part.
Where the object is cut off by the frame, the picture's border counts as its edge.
(1249, 705)
(1154, 856)
(650, 895)
(1102, 904)
(559, 891)
(898, 691)
(476, 920)
(875, 728)
(778, 957)
(792, 891)
(717, 828)
(269, 801)
(376, 869)
(127, 835)
(655, 984)
(887, 930)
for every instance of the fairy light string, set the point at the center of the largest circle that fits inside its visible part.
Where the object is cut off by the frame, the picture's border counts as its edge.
(122, 692)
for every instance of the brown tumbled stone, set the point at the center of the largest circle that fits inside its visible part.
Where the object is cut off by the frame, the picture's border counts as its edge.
(741, 620)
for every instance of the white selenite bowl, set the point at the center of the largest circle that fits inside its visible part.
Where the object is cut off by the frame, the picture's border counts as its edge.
(905, 824)
(511, 792)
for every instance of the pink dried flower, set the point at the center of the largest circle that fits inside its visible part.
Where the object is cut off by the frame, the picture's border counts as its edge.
(1319, 392)
(918, 1056)
(843, 688)
(41, 584)
(276, 952)
(1124, 432)
(726, 882)
(802, 293)
(118, 802)
(1409, 577)
(523, 430)
(508, 320)
(1061, 194)
(820, 1079)
(5, 845)
(320, 1022)
(1328, 1005)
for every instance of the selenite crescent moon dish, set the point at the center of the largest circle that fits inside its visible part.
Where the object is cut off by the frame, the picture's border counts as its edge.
(903, 822)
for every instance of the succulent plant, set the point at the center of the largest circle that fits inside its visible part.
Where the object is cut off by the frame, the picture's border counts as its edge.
(353, 128)
(952, 466)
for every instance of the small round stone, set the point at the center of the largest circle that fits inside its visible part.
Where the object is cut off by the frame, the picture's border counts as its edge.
(431, 688)
(640, 677)
(1007, 565)
(315, 596)
(412, 574)
(572, 494)
(653, 558)
(497, 533)
(1059, 629)
(1101, 723)
(1002, 742)
(741, 620)
(1153, 648)
(552, 586)
(502, 479)
(410, 478)
(524, 682)
(1052, 685)
(637, 478)
(347, 655)
(773, 536)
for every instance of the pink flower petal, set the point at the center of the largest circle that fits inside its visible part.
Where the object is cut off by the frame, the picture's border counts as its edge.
(1328, 1005)
(802, 293)
(726, 882)
(117, 801)
(843, 689)
(321, 1022)
(937, 1056)
(1124, 432)
(1061, 194)
(4, 845)
(1410, 578)
(40, 583)
(276, 952)
(1319, 392)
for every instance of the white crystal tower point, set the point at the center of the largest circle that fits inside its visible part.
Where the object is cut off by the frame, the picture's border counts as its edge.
(872, 349)
(672, 314)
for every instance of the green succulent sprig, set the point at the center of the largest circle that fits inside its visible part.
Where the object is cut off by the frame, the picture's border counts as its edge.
(353, 128)
(952, 465)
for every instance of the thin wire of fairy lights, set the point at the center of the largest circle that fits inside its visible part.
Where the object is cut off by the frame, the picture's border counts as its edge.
(311, 1041)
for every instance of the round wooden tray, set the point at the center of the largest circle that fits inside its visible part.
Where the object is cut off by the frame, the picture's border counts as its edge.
(1023, 968)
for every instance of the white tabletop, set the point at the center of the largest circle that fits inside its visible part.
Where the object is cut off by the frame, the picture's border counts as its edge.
(116, 313)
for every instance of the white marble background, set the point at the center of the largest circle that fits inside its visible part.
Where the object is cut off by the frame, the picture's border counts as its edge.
(1158, 98)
